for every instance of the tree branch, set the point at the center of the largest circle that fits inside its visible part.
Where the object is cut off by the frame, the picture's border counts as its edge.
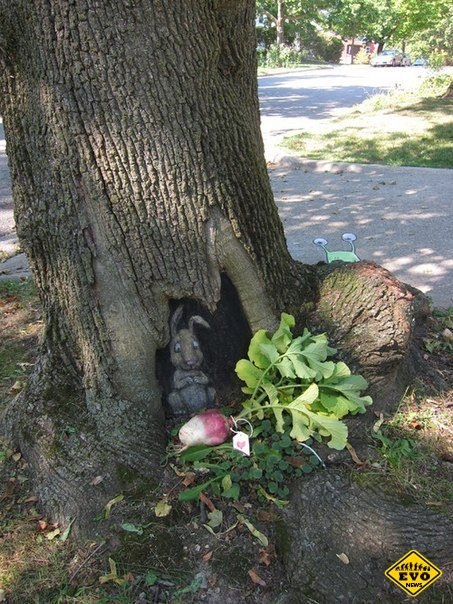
(269, 15)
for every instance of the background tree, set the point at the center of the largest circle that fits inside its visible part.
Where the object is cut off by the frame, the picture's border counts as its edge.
(139, 178)
(363, 19)
(417, 17)
(381, 22)
(428, 30)
(291, 33)
(139, 183)
(290, 18)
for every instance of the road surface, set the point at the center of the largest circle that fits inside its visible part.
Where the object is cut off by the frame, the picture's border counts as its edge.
(306, 99)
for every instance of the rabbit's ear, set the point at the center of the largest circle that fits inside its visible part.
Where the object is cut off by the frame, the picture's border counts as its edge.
(175, 320)
(199, 320)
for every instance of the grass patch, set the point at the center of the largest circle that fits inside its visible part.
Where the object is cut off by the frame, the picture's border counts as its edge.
(416, 448)
(405, 128)
(416, 444)
(20, 317)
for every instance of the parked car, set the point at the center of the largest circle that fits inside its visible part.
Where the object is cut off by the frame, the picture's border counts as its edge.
(388, 58)
(420, 62)
(406, 60)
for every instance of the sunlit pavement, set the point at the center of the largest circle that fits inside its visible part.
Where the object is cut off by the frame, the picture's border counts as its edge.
(402, 216)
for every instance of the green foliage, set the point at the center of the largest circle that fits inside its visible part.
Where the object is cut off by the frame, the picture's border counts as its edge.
(23, 291)
(395, 21)
(360, 18)
(281, 56)
(362, 58)
(394, 451)
(440, 337)
(415, 17)
(317, 47)
(436, 85)
(275, 459)
(328, 48)
(297, 18)
(291, 379)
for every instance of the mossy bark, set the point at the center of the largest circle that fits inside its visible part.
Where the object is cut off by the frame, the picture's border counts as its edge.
(372, 318)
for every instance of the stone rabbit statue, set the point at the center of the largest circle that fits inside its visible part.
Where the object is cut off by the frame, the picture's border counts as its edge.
(191, 390)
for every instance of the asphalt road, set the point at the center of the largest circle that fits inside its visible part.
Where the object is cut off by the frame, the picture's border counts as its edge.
(306, 99)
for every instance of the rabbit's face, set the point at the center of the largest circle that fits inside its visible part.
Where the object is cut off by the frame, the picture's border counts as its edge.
(185, 351)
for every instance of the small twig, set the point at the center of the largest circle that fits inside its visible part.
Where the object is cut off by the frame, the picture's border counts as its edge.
(93, 553)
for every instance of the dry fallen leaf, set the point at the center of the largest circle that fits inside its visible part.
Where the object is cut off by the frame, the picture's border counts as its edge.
(189, 479)
(212, 580)
(52, 534)
(42, 525)
(16, 387)
(379, 423)
(207, 556)
(208, 503)
(254, 576)
(295, 462)
(162, 508)
(354, 455)
(265, 556)
(96, 480)
(416, 424)
(110, 504)
(238, 506)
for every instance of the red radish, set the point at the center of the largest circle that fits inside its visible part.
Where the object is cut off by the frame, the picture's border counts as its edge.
(207, 428)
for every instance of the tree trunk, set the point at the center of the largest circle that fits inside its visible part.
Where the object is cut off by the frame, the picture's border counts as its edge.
(338, 538)
(139, 178)
(374, 320)
(139, 183)
(280, 23)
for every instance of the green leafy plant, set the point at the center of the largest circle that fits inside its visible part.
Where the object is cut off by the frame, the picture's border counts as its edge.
(291, 378)
(297, 395)
(440, 338)
(394, 451)
(275, 459)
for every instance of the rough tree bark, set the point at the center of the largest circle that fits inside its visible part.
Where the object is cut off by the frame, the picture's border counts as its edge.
(331, 517)
(139, 181)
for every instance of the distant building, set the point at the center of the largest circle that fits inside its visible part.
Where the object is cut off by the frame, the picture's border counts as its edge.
(352, 47)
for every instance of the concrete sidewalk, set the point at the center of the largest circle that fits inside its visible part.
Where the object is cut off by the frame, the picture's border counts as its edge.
(402, 217)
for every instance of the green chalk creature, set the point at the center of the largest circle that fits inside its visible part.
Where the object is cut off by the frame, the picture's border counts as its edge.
(345, 256)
